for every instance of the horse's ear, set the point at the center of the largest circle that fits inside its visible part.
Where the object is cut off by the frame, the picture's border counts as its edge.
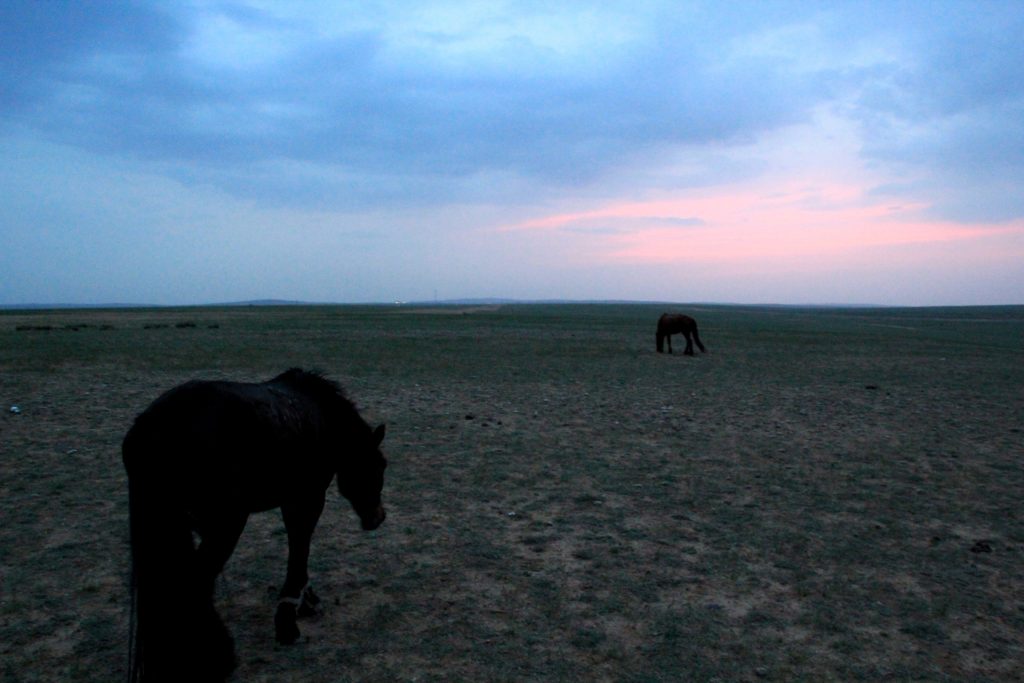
(378, 435)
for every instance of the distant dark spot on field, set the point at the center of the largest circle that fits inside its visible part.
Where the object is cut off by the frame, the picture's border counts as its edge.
(450, 310)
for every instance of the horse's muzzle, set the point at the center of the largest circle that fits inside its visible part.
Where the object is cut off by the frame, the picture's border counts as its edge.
(374, 519)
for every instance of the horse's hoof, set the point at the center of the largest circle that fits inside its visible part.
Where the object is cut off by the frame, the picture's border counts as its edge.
(286, 634)
(285, 629)
(308, 605)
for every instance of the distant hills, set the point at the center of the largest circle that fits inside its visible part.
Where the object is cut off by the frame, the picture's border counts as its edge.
(468, 301)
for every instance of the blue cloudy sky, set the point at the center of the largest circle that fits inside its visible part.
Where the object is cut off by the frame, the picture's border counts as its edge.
(194, 152)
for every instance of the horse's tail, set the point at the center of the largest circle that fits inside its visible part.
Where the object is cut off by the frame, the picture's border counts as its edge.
(134, 647)
(175, 632)
(161, 558)
(661, 342)
(696, 337)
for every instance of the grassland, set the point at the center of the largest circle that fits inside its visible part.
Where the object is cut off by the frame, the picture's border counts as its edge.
(825, 495)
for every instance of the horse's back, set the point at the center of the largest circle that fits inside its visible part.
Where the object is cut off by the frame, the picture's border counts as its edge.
(675, 322)
(201, 407)
(233, 434)
(194, 411)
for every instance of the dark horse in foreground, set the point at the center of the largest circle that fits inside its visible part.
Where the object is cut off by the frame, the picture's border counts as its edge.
(203, 457)
(673, 323)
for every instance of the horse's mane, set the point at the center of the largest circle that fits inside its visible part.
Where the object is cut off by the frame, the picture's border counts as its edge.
(314, 383)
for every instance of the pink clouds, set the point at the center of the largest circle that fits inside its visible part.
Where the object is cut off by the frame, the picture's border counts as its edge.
(797, 222)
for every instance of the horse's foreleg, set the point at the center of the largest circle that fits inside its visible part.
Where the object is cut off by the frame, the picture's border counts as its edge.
(295, 595)
(299, 522)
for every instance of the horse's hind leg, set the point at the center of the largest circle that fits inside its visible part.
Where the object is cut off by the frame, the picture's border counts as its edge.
(295, 595)
(219, 538)
(689, 344)
(696, 338)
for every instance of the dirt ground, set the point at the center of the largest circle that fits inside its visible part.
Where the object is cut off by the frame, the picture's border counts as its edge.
(827, 494)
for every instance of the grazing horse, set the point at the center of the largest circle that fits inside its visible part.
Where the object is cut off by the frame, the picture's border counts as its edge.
(200, 459)
(673, 323)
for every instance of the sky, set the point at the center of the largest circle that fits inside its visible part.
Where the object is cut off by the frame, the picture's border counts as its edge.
(194, 152)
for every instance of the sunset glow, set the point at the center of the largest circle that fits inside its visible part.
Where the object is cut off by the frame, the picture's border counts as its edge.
(796, 223)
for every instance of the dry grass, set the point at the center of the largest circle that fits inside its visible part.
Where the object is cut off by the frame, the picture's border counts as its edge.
(825, 495)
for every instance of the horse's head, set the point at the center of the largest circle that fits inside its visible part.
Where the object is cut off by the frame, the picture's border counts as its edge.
(361, 479)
